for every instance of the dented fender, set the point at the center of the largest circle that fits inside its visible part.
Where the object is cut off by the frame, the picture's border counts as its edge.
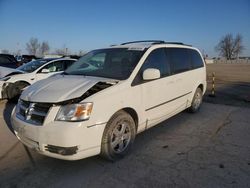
(10, 90)
(4, 86)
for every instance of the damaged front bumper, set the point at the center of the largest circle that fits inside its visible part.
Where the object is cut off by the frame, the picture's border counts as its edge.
(4, 89)
(62, 140)
(10, 90)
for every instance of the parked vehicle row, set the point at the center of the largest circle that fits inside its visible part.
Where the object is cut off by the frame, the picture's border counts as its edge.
(7, 60)
(25, 58)
(15, 80)
(10, 61)
(100, 103)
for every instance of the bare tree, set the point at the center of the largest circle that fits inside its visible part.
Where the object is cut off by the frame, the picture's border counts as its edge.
(18, 52)
(32, 46)
(230, 47)
(238, 47)
(44, 48)
(81, 53)
(62, 51)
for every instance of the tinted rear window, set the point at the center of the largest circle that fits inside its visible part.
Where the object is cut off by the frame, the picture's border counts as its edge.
(68, 63)
(179, 60)
(196, 59)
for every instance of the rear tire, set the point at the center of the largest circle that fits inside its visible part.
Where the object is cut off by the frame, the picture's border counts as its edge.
(196, 102)
(118, 136)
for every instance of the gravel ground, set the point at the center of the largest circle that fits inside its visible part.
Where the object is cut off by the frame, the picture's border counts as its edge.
(232, 84)
(206, 149)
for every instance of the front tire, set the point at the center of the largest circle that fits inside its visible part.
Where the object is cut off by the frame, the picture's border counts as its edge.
(118, 136)
(196, 102)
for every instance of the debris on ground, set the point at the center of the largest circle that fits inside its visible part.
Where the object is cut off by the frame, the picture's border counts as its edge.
(180, 153)
(221, 166)
(164, 147)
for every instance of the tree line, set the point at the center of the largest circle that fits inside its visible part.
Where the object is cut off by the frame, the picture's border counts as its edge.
(34, 47)
(228, 47)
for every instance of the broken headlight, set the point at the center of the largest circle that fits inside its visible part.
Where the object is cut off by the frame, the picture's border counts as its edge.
(74, 112)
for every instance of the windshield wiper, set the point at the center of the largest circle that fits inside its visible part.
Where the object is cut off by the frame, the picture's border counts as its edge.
(65, 73)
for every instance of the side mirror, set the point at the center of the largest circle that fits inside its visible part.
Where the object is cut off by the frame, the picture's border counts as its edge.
(45, 71)
(151, 74)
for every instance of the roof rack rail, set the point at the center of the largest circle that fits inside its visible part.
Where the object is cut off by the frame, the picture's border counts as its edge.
(155, 42)
(144, 41)
(178, 43)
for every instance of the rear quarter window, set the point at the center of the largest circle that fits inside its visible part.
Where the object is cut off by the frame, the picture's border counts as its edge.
(68, 63)
(196, 59)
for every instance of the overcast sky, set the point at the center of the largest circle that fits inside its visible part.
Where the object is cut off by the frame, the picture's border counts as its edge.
(85, 25)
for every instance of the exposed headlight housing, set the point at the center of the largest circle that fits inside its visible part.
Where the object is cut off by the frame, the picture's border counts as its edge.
(74, 112)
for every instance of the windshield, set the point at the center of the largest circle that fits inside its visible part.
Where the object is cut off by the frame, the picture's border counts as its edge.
(115, 63)
(32, 65)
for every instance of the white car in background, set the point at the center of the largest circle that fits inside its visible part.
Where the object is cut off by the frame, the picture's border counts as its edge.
(4, 71)
(15, 80)
(99, 104)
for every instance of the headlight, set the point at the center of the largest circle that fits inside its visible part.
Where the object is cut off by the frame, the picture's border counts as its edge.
(74, 112)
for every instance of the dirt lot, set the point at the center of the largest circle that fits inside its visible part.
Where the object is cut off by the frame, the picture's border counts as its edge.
(206, 149)
(232, 84)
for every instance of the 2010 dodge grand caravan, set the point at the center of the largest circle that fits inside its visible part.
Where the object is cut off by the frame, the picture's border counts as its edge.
(99, 104)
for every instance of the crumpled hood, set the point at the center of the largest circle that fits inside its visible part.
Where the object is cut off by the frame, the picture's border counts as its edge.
(60, 88)
(4, 71)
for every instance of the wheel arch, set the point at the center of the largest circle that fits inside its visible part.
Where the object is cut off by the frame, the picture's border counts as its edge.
(132, 112)
(22, 82)
(106, 150)
(10, 91)
(201, 86)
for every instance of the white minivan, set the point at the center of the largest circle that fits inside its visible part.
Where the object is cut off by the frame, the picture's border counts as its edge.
(99, 104)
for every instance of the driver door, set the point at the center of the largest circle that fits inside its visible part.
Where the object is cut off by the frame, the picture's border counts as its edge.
(156, 93)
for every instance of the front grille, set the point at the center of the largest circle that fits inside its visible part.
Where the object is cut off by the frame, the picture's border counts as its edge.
(34, 113)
